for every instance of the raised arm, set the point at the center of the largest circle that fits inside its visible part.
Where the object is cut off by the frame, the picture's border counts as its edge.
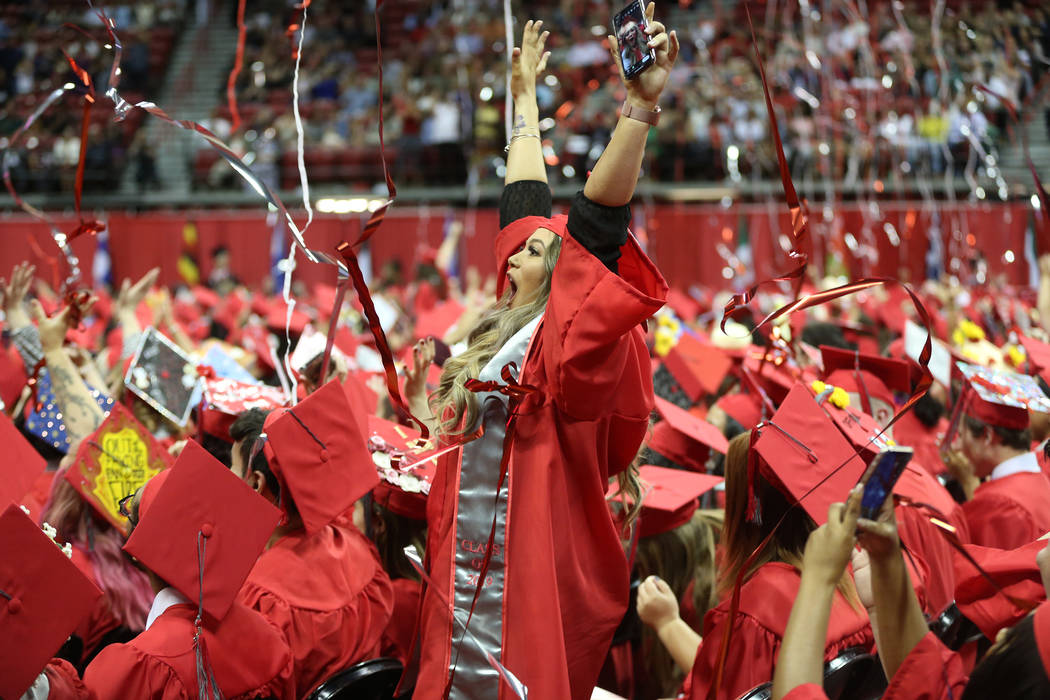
(525, 153)
(23, 332)
(615, 175)
(80, 412)
(828, 548)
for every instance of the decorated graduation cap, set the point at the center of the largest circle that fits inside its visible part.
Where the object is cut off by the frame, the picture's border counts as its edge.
(44, 418)
(21, 465)
(800, 450)
(317, 452)
(698, 367)
(863, 432)
(671, 497)
(871, 377)
(225, 364)
(114, 461)
(163, 376)
(200, 524)
(224, 399)
(514, 235)
(684, 437)
(998, 397)
(43, 597)
(406, 464)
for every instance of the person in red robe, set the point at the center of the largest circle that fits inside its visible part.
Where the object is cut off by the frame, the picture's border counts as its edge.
(544, 600)
(1008, 495)
(320, 580)
(197, 530)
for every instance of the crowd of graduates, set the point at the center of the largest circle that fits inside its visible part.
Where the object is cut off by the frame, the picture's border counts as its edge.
(590, 486)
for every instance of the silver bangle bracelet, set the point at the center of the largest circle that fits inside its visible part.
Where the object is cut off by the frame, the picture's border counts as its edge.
(515, 137)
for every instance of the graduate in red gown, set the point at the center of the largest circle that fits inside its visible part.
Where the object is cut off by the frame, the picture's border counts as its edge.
(1008, 495)
(554, 585)
(42, 597)
(319, 581)
(785, 458)
(197, 529)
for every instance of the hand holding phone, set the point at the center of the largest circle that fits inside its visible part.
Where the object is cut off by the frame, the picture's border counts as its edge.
(880, 478)
(629, 25)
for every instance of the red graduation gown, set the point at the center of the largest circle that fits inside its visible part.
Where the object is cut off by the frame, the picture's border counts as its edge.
(101, 620)
(565, 576)
(328, 594)
(1014, 570)
(931, 671)
(808, 691)
(399, 634)
(1010, 511)
(765, 605)
(248, 656)
(64, 682)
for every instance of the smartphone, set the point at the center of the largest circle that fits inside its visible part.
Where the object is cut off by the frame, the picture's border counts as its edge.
(880, 478)
(629, 25)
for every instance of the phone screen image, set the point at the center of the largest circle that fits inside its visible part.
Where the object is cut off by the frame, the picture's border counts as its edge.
(635, 54)
(881, 477)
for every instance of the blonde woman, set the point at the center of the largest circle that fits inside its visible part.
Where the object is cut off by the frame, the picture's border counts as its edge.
(521, 545)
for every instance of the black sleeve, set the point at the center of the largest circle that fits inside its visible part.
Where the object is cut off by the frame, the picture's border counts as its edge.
(600, 229)
(524, 198)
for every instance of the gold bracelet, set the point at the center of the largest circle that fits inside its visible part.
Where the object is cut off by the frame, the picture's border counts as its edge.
(515, 137)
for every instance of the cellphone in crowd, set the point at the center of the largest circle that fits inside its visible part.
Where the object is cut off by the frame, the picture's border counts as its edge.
(880, 478)
(629, 25)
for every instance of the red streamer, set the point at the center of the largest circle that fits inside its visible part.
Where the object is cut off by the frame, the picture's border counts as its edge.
(238, 63)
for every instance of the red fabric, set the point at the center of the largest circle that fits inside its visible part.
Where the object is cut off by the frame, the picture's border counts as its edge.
(910, 431)
(400, 633)
(933, 554)
(930, 671)
(1015, 571)
(328, 595)
(1011, 511)
(248, 656)
(765, 604)
(64, 682)
(809, 691)
(563, 596)
(101, 621)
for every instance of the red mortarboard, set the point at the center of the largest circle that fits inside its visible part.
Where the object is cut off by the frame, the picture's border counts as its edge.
(200, 506)
(406, 466)
(683, 305)
(745, 409)
(224, 399)
(438, 320)
(1000, 397)
(800, 447)
(699, 367)
(685, 438)
(363, 401)
(775, 379)
(22, 463)
(671, 498)
(43, 597)
(205, 297)
(316, 450)
(513, 236)
(860, 429)
(1038, 354)
(256, 339)
(893, 375)
(114, 461)
(277, 315)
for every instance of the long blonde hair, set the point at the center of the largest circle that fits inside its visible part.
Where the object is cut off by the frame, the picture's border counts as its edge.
(456, 406)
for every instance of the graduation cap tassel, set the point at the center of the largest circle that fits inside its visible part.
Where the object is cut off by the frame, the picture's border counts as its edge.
(207, 687)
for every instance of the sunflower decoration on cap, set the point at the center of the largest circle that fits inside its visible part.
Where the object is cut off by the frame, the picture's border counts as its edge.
(835, 395)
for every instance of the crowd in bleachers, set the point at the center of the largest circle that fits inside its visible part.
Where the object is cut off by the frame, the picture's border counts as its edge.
(857, 98)
(33, 37)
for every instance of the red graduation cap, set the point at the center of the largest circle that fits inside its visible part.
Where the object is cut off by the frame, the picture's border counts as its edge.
(514, 235)
(22, 463)
(671, 497)
(1000, 397)
(800, 447)
(684, 306)
(277, 315)
(406, 465)
(224, 399)
(114, 461)
(861, 430)
(685, 438)
(877, 377)
(43, 597)
(438, 320)
(205, 297)
(256, 340)
(1038, 354)
(199, 507)
(697, 366)
(318, 453)
(772, 375)
(745, 409)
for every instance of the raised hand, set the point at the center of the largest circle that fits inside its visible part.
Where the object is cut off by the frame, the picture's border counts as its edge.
(416, 374)
(131, 295)
(528, 60)
(14, 294)
(829, 546)
(644, 89)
